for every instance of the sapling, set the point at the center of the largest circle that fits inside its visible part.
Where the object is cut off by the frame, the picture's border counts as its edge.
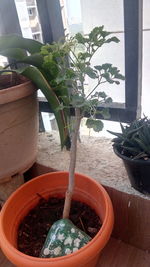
(72, 60)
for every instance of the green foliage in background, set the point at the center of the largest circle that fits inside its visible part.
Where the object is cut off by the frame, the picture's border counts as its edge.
(60, 71)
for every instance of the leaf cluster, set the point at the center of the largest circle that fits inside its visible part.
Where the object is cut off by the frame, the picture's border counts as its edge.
(134, 141)
(60, 70)
(68, 63)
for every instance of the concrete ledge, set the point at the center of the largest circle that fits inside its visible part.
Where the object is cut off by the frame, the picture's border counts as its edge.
(95, 157)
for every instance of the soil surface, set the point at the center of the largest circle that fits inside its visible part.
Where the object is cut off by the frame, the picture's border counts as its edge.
(11, 80)
(35, 226)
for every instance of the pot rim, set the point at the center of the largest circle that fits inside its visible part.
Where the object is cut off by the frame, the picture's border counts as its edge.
(103, 232)
(17, 92)
(123, 157)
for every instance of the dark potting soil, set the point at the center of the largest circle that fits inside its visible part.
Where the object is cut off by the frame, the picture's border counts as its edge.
(33, 229)
(11, 80)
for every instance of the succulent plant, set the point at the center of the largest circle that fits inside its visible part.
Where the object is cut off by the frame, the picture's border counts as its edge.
(134, 141)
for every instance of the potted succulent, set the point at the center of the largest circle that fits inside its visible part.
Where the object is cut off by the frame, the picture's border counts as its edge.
(19, 106)
(133, 147)
(80, 51)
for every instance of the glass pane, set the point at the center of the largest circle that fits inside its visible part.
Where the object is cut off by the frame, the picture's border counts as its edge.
(83, 16)
(146, 59)
(3, 62)
(146, 16)
(100, 12)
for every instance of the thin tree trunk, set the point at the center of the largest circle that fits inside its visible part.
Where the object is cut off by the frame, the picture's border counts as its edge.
(73, 152)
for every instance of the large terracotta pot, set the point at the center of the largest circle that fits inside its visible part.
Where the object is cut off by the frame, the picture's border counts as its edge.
(25, 198)
(18, 129)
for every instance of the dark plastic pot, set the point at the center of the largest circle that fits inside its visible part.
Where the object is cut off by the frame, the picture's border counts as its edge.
(138, 172)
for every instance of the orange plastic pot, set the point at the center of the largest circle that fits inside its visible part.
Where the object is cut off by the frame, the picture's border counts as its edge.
(25, 198)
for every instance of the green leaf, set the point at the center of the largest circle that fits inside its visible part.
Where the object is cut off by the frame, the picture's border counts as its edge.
(15, 53)
(36, 76)
(112, 39)
(117, 82)
(70, 74)
(102, 95)
(131, 149)
(105, 113)
(16, 41)
(95, 33)
(106, 66)
(107, 77)
(119, 76)
(84, 56)
(91, 73)
(104, 34)
(122, 128)
(98, 67)
(141, 144)
(96, 125)
(108, 100)
(116, 134)
(77, 101)
(34, 60)
(80, 38)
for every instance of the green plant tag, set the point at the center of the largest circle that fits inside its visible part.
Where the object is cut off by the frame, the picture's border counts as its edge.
(63, 238)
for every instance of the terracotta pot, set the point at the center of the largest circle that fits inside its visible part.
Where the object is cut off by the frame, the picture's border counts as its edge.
(25, 198)
(18, 129)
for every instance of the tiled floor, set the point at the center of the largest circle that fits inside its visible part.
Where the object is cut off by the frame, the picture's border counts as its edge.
(115, 254)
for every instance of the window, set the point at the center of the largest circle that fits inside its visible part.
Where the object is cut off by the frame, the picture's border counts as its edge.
(30, 11)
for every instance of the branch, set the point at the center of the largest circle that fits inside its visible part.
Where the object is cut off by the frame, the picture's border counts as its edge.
(95, 88)
(72, 165)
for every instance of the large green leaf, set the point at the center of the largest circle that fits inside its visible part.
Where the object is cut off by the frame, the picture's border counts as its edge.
(16, 41)
(96, 125)
(19, 55)
(15, 53)
(34, 60)
(37, 77)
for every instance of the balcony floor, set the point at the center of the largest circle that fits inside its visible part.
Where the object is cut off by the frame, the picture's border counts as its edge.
(115, 254)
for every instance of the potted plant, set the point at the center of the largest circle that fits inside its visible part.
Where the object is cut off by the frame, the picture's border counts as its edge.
(80, 51)
(18, 112)
(19, 106)
(132, 145)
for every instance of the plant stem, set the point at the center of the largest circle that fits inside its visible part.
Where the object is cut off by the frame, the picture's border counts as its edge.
(95, 88)
(73, 152)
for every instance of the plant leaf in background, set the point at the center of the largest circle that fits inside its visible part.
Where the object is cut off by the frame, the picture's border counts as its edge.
(96, 125)
(36, 76)
(16, 53)
(15, 47)
(16, 41)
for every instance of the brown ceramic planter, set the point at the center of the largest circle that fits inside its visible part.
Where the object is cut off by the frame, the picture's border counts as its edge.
(18, 129)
